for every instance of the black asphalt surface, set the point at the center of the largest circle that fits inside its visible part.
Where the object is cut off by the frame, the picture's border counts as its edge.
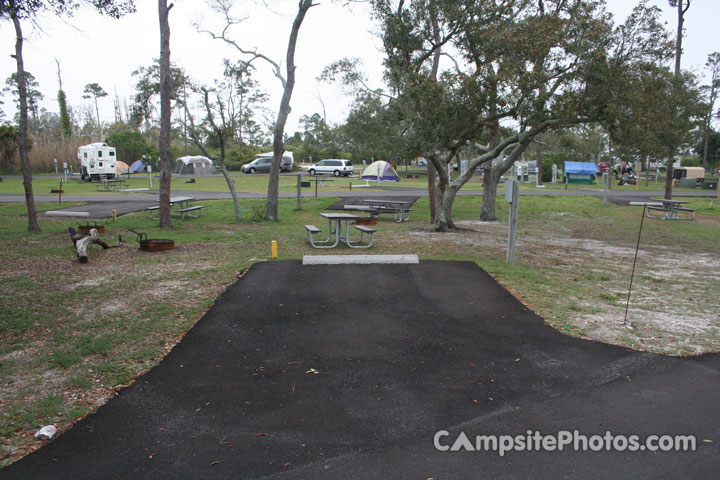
(106, 209)
(348, 371)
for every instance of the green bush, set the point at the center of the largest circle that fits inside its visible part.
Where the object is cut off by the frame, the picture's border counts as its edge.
(130, 146)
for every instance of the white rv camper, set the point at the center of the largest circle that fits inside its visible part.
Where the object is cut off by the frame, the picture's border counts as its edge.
(97, 159)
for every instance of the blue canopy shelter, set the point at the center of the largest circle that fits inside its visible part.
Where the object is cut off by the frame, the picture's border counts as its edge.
(580, 172)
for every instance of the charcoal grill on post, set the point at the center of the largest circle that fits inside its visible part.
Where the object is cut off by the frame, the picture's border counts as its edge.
(153, 244)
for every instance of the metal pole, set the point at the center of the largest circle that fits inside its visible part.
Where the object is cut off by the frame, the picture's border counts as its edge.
(299, 190)
(512, 227)
(606, 178)
(632, 275)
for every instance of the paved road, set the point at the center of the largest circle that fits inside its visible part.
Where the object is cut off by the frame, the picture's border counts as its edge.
(348, 371)
(102, 206)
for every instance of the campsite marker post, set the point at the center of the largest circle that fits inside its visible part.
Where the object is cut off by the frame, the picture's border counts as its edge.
(299, 190)
(149, 170)
(511, 196)
(606, 180)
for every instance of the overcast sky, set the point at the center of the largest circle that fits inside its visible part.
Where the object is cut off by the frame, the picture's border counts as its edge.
(95, 49)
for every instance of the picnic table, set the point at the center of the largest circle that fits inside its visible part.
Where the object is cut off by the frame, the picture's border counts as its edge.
(185, 208)
(397, 207)
(671, 210)
(339, 231)
(110, 184)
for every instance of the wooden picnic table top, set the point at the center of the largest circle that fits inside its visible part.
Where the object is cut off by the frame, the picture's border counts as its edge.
(664, 200)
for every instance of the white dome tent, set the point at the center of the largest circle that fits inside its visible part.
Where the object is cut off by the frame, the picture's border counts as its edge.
(194, 165)
(380, 171)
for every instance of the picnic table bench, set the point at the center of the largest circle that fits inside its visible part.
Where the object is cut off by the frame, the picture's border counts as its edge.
(186, 211)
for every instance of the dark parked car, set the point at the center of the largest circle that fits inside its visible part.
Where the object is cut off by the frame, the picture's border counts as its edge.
(262, 165)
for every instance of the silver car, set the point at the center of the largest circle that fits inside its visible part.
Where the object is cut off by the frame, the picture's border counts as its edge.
(333, 166)
(262, 165)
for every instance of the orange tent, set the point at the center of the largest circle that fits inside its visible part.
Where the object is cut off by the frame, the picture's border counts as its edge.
(121, 167)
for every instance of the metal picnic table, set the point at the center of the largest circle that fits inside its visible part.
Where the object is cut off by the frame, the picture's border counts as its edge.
(671, 210)
(182, 202)
(398, 207)
(339, 231)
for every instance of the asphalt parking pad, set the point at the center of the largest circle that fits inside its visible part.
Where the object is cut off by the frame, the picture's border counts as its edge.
(348, 371)
(106, 209)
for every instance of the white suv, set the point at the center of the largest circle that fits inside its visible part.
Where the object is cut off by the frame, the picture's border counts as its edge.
(334, 166)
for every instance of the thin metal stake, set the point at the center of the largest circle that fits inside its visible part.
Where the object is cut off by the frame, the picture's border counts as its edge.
(632, 275)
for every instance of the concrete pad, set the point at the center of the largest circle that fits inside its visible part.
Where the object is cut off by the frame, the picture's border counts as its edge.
(359, 259)
(66, 213)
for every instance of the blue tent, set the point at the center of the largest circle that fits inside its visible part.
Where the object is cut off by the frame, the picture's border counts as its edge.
(138, 166)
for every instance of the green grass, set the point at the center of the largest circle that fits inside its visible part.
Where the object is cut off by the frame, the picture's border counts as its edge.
(94, 327)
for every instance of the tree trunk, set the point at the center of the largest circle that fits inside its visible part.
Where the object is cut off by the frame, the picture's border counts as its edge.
(446, 198)
(233, 192)
(706, 140)
(669, 176)
(538, 165)
(488, 213)
(490, 184)
(22, 136)
(432, 195)
(226, 174)
(165, 112)
(678, 56)
(97, 113)
(278, 146)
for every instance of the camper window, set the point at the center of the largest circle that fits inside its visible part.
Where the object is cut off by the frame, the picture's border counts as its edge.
(99, 153)
(85, 154)
(111, 153)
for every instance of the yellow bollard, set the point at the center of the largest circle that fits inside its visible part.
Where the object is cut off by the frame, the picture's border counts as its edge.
(273, 249)
(114, 215)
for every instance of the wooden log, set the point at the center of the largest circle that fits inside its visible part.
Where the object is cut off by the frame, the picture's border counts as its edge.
(82, 240)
